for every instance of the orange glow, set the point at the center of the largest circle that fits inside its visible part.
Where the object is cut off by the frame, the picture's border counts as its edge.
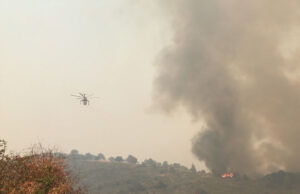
(225, 175)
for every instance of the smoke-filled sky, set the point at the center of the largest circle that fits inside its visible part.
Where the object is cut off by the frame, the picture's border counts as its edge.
(226, 72)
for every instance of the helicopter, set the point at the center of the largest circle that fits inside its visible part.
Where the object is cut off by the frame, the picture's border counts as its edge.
(83, 98)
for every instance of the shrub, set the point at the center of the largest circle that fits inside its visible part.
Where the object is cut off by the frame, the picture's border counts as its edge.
(35, 172)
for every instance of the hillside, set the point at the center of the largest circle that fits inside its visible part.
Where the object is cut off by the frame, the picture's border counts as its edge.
(118, 176)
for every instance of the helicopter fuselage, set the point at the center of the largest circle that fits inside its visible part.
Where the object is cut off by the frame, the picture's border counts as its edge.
(85, 101)
(83, 98)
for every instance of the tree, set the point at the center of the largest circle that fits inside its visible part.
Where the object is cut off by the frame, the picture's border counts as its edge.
(193, 169)
(74, 155)
(176, 165)
(119, 159)
(131, 159)
(2, 148)
(74, 152)
(150, 162)
(165, 164)
(100, 157)
(89, 156)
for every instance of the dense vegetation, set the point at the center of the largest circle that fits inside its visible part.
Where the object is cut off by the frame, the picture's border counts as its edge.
(36, 172)
(117, 175)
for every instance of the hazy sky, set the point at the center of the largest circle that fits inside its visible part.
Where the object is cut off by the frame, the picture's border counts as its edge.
(50, 49)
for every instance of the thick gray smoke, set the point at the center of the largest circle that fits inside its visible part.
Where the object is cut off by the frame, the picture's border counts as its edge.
(233, 65)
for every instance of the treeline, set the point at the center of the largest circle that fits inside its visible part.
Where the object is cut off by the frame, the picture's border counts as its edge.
(126, 175)
(75, 155)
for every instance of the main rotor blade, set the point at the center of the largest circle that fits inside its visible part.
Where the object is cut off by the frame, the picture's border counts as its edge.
(94, 97)
(81, 94)
(76, 96)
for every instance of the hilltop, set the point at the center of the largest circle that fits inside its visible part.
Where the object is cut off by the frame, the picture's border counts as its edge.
(121, 176)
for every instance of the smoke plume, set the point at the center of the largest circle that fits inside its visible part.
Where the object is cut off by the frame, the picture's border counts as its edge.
(233, 65)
